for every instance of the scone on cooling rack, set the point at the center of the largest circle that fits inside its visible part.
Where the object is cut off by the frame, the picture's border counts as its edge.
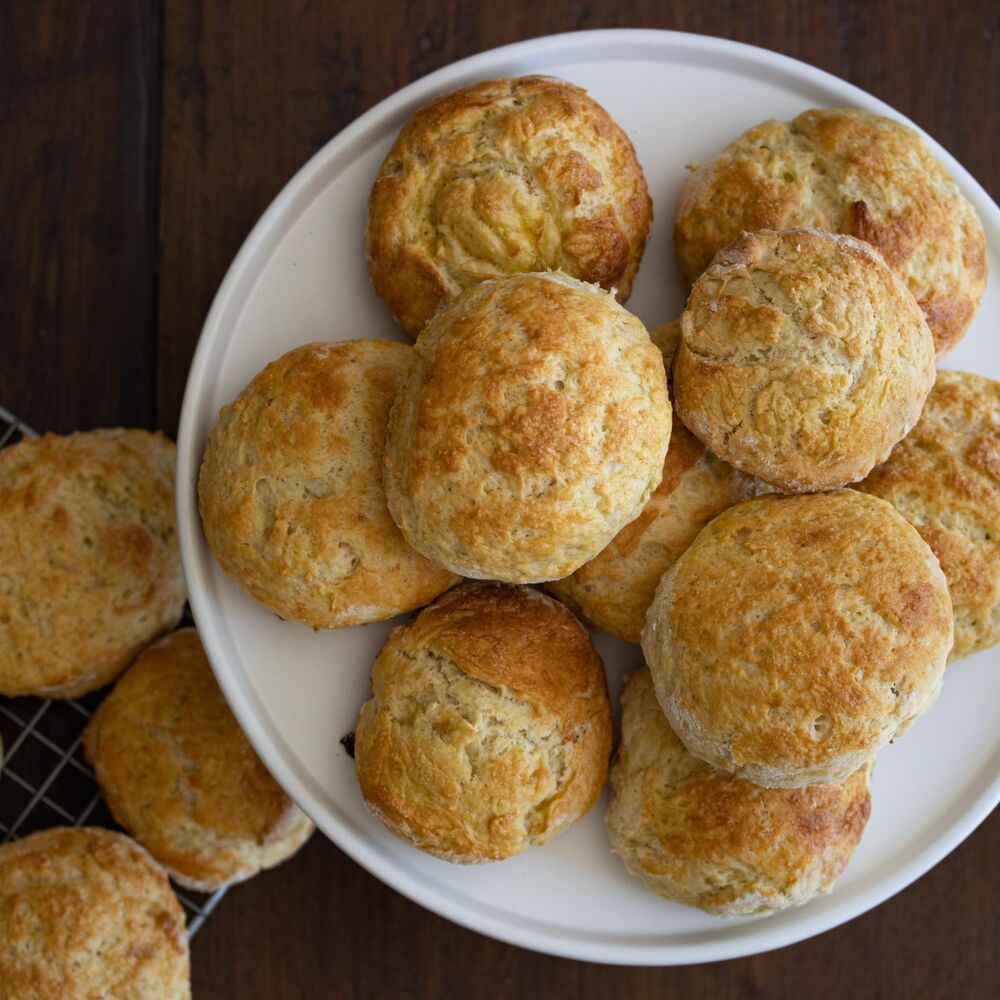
(713, 841)
(90, 570)
(291, 493)
(797, 635)
(848, 171)
(178, 774)
(505, 176)
(531, 427)
(802, 359)
(489, 726)
(84, 913)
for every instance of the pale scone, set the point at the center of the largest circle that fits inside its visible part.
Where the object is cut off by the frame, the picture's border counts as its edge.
(797, 635)
(530, 429)
(847, 171)
(489, 726)
(944, 478)
(86, 913)
(177, 772)
(504, 177)
(90, 570)
(291, 489)
(713, 841)
(802, 360)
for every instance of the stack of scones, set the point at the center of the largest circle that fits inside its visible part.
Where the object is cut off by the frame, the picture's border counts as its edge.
(776, 494)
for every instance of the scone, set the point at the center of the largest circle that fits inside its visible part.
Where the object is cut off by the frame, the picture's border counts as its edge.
(86, 913)
(852, 172)
(944, 478)
(504, 177)
(713, 841)
(489, 726)
(530, 429)
(291, 489)
(177, 772)
(802, 360)
(797, 635)
(90, 570)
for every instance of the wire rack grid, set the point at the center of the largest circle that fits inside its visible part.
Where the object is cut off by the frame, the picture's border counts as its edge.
(44, 779)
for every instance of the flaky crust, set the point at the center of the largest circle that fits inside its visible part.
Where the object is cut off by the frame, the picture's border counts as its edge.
(944, 478)
(177, 772)
(86, 913)
(708, 840)
(531, 428)
(853, 172)
(291, 489)
(489, 728)
(91, 570)
(797, 635)
(803, 359)
(506, 176)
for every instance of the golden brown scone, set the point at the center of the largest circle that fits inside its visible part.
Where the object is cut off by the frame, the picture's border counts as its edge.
(797, 635)
(291, 489)
(90, 570)
(667, 336)
(803, 359)
(87, 913)
(853, 172)
(489, 728)
(503, 177)
(177, 772)
(710, 840)
(530, 429)
(944, 478)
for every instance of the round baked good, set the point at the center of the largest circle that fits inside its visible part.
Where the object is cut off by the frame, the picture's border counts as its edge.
(291, 489)
(847, 171)
(944, 478)
(87, 913)
(797, 635)
(713, 841)
(667, 336)
(803, 359)
(178, 774)
(91, 567)
(531, 428)
(504, 177)
(489, 727)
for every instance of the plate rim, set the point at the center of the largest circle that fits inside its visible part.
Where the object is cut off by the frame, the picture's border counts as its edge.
(195, 556)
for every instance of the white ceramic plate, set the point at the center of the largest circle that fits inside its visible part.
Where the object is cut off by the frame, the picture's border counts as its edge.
(301, 276)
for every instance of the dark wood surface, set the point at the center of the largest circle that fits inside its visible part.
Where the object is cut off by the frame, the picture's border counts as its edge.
(140, 141)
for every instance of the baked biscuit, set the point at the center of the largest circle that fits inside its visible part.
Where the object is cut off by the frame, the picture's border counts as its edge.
(503, 177)
(797, 635)
(177, 772)
(489, 728)
(87, 913)
(803, 359)
(852, 172)
(708, 840)
(291, 489)
(531, 428)
(667, 336)
(91, 570)
(944, 478)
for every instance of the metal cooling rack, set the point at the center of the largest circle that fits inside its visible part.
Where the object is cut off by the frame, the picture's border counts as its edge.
(45, 780)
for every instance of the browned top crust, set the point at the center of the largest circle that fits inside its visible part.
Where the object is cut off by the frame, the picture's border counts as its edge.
(506, 176)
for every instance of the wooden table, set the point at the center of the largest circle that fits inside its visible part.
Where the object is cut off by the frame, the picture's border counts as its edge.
(141, 140)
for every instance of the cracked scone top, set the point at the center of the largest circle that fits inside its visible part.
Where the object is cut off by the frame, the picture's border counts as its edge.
(797, 635)
(291, 493)
(177, 772)
(802, 359)
(847, 171)
(709, 840)
(489, 726)
(530, 429)
(506, 176)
